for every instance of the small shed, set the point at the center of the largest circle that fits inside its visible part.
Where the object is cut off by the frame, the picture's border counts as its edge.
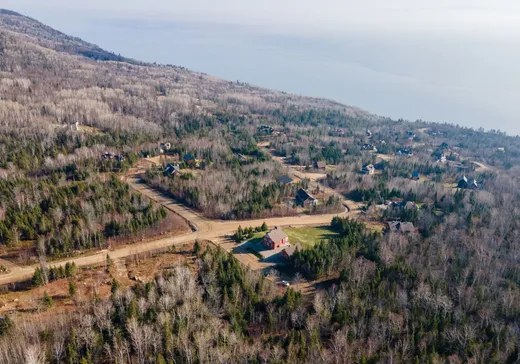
(288, 252)
(321, 165)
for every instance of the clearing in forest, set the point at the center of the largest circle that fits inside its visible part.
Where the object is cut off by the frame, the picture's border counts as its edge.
(309, 236)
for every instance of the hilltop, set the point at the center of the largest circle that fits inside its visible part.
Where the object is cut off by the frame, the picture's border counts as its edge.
(21, 33)
(53, 39)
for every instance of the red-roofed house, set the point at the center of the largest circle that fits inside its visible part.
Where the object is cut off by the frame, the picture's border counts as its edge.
(275, 238)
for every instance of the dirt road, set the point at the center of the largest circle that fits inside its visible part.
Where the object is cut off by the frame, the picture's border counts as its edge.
(203, 229)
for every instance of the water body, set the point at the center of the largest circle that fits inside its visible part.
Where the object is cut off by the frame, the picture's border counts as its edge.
(462, 80)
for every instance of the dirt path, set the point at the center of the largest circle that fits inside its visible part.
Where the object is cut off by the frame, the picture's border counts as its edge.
(203, 229)
(481, 167)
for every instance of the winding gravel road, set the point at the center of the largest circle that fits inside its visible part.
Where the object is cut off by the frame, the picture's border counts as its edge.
(203, 229)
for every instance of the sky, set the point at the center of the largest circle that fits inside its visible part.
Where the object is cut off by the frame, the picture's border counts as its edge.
(445, 60)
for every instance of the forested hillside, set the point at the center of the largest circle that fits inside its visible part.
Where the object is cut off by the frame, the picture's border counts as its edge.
(424, 268)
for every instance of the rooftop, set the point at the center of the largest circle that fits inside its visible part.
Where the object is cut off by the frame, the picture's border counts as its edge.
(276, 234)
(290, 250)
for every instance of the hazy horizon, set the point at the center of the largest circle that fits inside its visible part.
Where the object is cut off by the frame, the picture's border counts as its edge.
(460, 66)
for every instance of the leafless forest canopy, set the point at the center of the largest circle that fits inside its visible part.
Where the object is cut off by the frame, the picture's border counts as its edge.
(74, 118)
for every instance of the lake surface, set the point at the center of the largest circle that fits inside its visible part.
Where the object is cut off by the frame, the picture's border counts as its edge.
(461, 80)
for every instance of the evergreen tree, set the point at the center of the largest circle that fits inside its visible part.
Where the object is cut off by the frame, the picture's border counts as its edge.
(72, 288)
(47, 300)
(37, 279)
(115, 286)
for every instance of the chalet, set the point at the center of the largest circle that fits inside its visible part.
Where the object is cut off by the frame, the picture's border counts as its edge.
(442, 159)
(172, 170)
(369, 133)
(265, 129)
(275, 238)
(188, 157)
(368, 169)
(404, 205)
(304, 199)
(191, 161)
(164, 147)
(288, 252)
(284, 180)
(369, 147)
(466, 184)
(74, 126)
(411, 135)
(110, 156)
(408, 206)
(321, 165)
(416, 176)
(341, 132)
(444, 146)
(400, 227)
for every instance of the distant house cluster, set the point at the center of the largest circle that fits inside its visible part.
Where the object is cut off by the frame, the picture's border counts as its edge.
(305, 199)
(111, 156)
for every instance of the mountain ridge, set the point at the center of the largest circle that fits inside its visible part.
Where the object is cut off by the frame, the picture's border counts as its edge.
(48, 37)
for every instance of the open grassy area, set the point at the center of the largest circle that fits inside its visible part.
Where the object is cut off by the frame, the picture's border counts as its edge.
(258, 237)
(308, 236)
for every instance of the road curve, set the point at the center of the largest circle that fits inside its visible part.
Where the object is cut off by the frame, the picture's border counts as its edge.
(203, 228)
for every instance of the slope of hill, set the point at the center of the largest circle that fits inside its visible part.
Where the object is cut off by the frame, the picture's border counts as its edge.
(51, 38)
(23, 33)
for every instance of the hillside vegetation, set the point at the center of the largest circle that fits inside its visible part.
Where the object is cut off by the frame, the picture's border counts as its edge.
(440, 285)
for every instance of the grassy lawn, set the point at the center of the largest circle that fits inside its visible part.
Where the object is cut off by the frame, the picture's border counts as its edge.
(257, 238)
(308, 236)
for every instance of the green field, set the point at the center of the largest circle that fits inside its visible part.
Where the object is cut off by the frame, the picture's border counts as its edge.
(308, 236)
(257, 238)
